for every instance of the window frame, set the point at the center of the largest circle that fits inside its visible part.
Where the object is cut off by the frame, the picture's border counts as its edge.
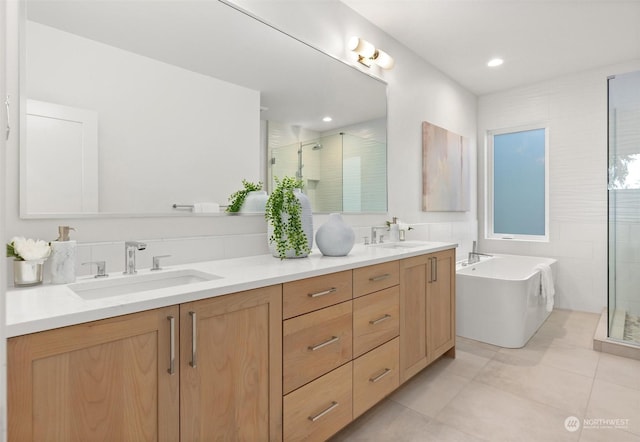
(489, 184)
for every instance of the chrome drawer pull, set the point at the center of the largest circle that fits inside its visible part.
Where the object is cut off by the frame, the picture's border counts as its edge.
(172, 345)
(194, 354)
(380, 376)
(326, 292)
(379, 320)
(324, 344)
(379, 278)
(333, 405)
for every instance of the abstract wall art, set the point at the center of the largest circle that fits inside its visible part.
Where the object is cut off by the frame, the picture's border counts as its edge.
(445, 170)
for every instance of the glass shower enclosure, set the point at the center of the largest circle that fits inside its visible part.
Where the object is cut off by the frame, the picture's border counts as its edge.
(624, 207)
(341, 172)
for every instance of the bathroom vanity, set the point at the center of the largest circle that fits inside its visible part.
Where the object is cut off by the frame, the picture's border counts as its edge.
(270, 350)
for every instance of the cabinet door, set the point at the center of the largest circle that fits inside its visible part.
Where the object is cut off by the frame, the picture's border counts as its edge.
(413, 310)
(103, 380)
(231, 367)
(441, 327)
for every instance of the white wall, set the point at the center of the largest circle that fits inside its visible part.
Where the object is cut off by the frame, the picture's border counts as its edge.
(575, 109)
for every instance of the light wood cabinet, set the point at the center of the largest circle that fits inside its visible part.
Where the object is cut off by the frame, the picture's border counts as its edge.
(376, 319)
(441, 306)
(306, 295)
(231, 365)
(375, 375)
(114, 379)
(321, 408)
(316, 343)
(427, 310)
(103, 380)
(375, 277)
(295, 361)
(342, 359)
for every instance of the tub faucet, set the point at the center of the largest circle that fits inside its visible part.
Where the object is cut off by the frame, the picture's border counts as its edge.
(474, 255)
(130, 248)
(374, 230)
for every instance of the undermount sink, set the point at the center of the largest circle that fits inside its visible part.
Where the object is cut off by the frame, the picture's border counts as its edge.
(125, 285)
(401, 245)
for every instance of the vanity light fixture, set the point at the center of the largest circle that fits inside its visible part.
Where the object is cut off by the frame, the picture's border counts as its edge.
(367, 53)
(495, 62)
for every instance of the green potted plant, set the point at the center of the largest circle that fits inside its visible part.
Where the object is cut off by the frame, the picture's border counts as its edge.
(288, 213)
(236, 199)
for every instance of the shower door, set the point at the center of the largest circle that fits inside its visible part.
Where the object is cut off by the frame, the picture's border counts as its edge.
(624, 207)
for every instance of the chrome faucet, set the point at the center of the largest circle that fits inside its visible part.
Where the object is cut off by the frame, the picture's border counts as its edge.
(474, 255)
(374, 230)
(130, 248)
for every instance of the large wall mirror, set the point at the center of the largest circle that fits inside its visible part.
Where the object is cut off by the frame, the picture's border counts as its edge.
(130, 107)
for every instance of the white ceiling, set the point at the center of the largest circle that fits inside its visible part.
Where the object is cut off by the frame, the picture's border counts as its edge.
(538, 39)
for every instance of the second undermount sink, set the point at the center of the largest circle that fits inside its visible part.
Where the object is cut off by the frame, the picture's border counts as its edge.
(125, 285)
(401, 245)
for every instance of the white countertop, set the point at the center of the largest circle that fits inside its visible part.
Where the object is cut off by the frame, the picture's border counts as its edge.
(46, 307)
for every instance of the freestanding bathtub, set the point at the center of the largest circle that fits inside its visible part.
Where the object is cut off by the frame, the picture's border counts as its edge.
(499, 301)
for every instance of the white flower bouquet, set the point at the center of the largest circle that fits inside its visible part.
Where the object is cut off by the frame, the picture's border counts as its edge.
(27, 249)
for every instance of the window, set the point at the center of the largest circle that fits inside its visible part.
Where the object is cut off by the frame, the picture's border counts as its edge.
(517, 184)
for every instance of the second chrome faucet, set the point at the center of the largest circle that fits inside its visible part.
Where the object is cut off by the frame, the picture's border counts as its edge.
(130, 248)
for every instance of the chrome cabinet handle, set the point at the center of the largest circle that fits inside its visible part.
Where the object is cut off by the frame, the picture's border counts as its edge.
(375, 379)
(333, 405)
(172, 348)
(326, 292)
(7, 104)
(379, 278)
(435, 272)
(193, 339)
(380, 319)
(324, 344)
(430, 270)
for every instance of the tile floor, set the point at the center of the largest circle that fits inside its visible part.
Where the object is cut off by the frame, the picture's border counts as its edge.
(493, 394)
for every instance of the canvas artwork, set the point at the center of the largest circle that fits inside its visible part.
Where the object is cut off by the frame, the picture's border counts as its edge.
(445, 170)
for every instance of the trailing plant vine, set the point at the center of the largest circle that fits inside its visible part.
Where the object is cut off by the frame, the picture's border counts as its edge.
(237, 198)
(284, 211)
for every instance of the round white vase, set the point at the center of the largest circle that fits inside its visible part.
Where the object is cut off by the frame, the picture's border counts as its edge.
(254, 202)
(335, 237)
(307, 227)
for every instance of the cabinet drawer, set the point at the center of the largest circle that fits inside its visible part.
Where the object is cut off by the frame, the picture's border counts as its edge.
(319, 409)
(376, 277)
(306, 295)
(375, 375)
(376, 319)
(316, 343)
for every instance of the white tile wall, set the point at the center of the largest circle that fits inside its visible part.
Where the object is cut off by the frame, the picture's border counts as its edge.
(208, 248)
(575, 109)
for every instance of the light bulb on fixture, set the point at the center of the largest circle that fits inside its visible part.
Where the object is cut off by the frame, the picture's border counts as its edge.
(362, 47)
(384, 60)
(367, 53)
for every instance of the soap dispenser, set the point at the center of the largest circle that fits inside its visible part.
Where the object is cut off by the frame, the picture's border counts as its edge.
(63, 257)
(394, 230)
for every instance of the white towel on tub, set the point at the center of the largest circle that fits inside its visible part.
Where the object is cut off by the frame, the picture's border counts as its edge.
(547, 290)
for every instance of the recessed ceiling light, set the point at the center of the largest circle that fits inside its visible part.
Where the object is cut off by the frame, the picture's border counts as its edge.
(495, 62)
(327, 119)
